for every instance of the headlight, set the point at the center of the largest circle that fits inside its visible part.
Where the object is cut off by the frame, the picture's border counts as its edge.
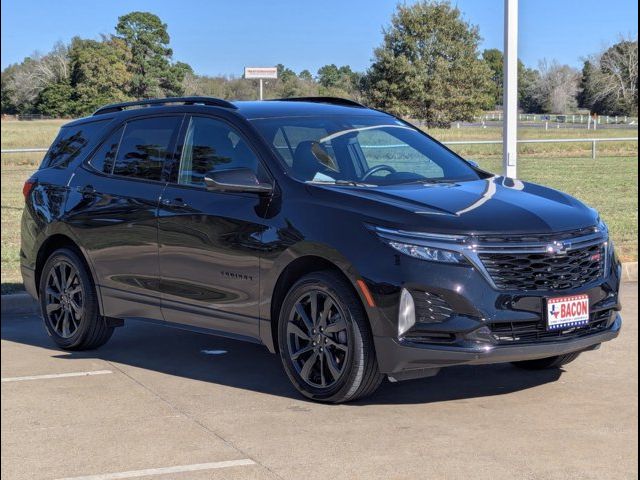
(427, 253)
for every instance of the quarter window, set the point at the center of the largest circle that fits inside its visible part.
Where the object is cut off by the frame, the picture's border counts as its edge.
(105, 156)
(71, 143)
(210, 145)
(145, 146)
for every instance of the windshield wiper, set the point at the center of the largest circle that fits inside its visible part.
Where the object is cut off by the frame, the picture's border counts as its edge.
(342, 183)
(428, 180)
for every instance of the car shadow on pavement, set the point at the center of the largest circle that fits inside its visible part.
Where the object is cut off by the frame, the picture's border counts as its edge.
(248, 366)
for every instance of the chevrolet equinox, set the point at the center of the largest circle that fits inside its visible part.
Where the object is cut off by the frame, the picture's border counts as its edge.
(342, 238)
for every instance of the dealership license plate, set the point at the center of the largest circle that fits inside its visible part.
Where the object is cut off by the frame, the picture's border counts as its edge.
(567, 312)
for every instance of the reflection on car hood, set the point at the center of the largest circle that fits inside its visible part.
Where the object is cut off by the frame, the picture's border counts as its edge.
(496, 204)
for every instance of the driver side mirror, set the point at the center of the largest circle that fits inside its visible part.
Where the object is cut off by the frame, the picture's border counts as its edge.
(240, 180)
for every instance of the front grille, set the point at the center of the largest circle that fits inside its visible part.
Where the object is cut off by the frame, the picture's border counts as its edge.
(543, 271)
(510, 333)
(431, 308)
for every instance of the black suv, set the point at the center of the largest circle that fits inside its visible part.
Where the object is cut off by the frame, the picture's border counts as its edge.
(343, 238)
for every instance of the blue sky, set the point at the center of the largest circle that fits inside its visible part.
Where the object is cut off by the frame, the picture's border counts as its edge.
(221, 37)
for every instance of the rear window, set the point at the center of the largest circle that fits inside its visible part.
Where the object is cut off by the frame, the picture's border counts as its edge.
(71, 143)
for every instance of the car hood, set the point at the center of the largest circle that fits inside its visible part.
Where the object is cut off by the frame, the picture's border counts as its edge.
(492, 205)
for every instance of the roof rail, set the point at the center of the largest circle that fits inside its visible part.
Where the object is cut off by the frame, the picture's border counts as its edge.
(331, 100)
(211, 101)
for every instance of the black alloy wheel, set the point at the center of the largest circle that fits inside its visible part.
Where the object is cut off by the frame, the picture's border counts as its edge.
(325, 341)
(318, 339)
(69, 303)
(64, 299)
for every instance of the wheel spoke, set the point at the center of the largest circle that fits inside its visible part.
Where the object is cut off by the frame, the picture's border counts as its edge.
(308, 366)
(77, 309)
(292, 328)
(323, 382)
(313, 300)
(51, 292)
(58, 321)
(56, 280)
(75, 290)
(337, 345)
(331, 363)
(74, 321)
(336, 326)
(305, 318)
(326, 311)
(65, 324)
(63, 276)
(52, 307)
(302, 351)
(71, 279)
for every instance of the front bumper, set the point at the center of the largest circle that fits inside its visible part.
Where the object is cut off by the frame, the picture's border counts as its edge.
(403, 360)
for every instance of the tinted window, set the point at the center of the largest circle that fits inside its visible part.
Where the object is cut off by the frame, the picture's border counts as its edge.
(105, 156)
(71, 143)
(375, 150)
(144, 147)
(211, 144)
(379, 147)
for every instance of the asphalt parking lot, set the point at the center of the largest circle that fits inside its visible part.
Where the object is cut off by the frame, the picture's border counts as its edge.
(163, 403)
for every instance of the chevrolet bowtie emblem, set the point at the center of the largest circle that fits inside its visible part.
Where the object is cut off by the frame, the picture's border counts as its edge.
(558, 248)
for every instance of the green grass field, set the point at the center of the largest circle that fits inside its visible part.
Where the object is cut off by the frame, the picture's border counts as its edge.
(609, 183)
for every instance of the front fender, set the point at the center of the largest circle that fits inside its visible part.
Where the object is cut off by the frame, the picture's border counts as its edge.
(273, 267)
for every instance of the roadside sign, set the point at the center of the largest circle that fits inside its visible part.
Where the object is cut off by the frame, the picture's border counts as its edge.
(260, 72)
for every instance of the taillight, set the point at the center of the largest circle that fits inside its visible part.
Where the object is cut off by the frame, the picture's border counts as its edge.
(27, 187)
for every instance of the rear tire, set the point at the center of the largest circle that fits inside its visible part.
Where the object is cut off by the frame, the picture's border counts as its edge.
(69, 304)
(546, 363)
(326, 346)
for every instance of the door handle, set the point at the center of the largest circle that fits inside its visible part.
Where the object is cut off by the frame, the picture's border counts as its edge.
(174, 203)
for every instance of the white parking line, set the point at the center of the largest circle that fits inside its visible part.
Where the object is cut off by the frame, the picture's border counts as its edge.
(56, 375)
(163, 471)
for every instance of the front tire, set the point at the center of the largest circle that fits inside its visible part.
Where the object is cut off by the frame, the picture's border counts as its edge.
(547, 363)
(69, 304)
(326, 346)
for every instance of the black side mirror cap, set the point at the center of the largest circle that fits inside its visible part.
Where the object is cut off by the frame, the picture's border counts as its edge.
(241, 180)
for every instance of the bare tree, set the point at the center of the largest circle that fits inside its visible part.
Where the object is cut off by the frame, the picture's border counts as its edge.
(35, 73)
(613, 81)
(557, 87)
(54, 66)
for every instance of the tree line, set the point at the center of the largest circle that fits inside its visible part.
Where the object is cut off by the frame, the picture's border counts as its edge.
(428, 66)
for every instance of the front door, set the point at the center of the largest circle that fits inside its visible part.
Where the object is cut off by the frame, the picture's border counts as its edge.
(210, 242)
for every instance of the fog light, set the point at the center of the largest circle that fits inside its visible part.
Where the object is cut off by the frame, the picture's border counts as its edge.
(407, 314)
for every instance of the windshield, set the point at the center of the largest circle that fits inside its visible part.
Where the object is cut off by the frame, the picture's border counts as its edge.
(371, 150)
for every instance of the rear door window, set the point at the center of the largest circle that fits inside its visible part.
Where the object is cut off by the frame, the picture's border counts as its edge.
(71, 143)
(144, 147)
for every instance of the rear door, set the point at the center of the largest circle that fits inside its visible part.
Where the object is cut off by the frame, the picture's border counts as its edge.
(116, 213)
(210, 242)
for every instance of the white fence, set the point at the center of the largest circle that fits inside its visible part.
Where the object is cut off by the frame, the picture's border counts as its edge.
(564, 118)
(593, 141)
